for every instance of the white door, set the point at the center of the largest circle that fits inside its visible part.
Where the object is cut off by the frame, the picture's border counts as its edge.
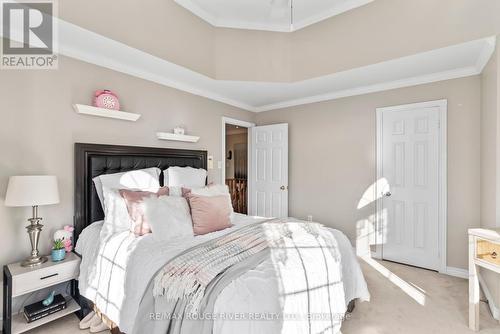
(268, 191)
(410, 164)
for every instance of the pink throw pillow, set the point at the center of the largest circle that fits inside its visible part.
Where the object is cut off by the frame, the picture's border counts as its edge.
(209, 213)
(134, 200)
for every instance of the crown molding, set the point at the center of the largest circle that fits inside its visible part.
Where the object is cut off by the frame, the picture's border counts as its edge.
(415, 81)
(476, 68)
(198, 11)
(90, 47)
(486, 53)
(466, 59)
(345, 7)
(237, 24)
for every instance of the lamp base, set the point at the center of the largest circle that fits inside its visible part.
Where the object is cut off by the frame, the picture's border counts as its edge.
(34, 229)
(34, 261)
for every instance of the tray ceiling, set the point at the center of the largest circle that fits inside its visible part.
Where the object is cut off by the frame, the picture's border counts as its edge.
(451, 62)
(272, 15)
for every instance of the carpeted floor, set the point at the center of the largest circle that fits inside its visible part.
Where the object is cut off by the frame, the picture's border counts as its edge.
(391, 310)
(404, 300)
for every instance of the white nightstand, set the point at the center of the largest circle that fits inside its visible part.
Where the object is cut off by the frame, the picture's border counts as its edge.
(484, 251)
(18, 281)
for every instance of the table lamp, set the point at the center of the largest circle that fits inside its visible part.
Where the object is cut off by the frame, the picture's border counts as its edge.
(32, 190)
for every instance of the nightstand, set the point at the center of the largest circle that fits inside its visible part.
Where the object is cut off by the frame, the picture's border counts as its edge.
(484, 250)
(19, 281)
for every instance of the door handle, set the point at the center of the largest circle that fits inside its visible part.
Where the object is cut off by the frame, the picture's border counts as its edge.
(282, 187)
(387, 194)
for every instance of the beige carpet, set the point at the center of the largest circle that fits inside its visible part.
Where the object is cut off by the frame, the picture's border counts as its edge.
(391, 310)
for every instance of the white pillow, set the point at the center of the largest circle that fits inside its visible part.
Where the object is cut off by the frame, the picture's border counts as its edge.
(169, 217)
(147, 179)
(211, 190)
(188, 177)
(175, 191)
(116, 216)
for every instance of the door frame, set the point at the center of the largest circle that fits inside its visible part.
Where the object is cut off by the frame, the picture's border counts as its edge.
(243, 124)
(442, 176)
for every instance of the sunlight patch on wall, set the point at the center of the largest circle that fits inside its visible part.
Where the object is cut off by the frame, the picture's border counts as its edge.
(374, 192)
(369, 234)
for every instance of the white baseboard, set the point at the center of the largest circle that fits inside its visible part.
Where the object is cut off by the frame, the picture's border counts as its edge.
(457, 272)
(376, 255)
(495, 311)
(452, 271)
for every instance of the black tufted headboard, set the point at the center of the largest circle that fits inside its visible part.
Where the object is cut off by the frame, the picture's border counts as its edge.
(92, 160)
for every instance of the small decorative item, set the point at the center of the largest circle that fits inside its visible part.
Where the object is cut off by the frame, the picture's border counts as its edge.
(106, 99)
(66, 235)
(178, 130)
(50, 299)
(68, 247)
(58, 251)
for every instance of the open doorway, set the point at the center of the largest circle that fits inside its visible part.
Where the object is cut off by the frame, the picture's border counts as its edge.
(237, 166)
(235, 170)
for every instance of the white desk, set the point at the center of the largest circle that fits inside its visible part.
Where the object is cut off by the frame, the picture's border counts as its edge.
(484, 251)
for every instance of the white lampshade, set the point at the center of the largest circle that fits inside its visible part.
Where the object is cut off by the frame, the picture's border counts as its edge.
(32, 190)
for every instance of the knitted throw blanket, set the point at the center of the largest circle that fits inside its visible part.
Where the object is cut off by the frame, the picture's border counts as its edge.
(188, 275)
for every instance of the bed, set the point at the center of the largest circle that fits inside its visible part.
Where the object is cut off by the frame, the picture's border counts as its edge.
(118, 277)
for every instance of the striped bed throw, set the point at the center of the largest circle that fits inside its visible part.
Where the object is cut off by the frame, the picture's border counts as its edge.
(188, 275)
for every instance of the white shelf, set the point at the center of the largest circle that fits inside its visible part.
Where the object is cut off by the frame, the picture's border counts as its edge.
(19, 324)
(101, 112)
(173, 136)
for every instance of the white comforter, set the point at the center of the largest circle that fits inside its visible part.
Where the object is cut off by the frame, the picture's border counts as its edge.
(115, 278)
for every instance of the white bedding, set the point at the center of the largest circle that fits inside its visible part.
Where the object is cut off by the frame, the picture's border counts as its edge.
(115, 277)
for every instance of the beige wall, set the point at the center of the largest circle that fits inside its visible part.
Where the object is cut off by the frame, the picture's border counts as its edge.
(360, 37)
(39, 127)
(490, 142)
(364, 36)
(490, 158)
(161, 28)
(338, 138)
(389, 29)
(248, 55)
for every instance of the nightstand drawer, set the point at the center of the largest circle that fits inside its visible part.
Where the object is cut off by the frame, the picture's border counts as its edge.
(44, 277)
(488, 251)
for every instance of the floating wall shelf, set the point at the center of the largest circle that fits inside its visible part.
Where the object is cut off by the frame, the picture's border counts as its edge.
(173, 136)
(101, 112)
